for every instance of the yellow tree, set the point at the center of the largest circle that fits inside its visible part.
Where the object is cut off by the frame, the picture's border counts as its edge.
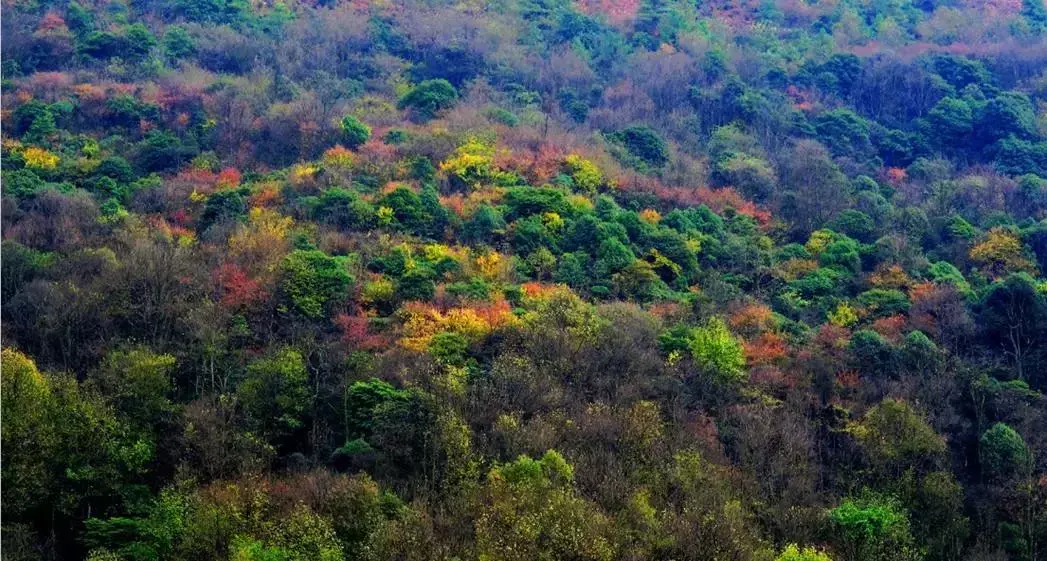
(1002, 253)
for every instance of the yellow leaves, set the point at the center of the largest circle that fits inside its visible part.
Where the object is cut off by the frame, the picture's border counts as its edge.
(585, 174)
(650, 216)
(302, 173)
(385, 215)
(694, 244)
(796, 268)
(819, 240)
(553, 221)
(421, 322)
(19, 368)
(263, 240)
(197, 196)
(185, 239)
(472, 165)
(338, 157)
(892, 276)
(91, 149)
(86, 166)
(843, 316)
(378, 291)
(580, 203)
(435, 251)
(270, 222)
(39, 158)
(1001, 253)
(492, 266)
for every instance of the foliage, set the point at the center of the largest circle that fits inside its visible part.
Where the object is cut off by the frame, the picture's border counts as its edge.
(534, 513)
(250, 248)
(313, 280)
(714, 348)
(794, 553)
(429, 97)
(354, 132)
(1003, 452)
(873, 528)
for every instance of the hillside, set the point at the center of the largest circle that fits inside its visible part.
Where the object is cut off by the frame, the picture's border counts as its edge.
(524, 280)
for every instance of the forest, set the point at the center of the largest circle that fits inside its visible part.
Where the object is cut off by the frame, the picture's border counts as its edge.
(524, 280)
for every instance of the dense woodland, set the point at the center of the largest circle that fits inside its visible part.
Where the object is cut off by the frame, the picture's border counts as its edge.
(524, 280)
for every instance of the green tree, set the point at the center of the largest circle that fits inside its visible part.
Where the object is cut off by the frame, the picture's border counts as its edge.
(793, 553)
(1013, 317)
(1003, 453)
(311, 280)
(137, 382)
(482, 226)
(354, 132)
(177, 43)
(951, 122)
(717, 351)
(362, 399)
(643, 144)
(275, 394)
(429, 97)
(895, 438)
(29, 438)
(844, 132)
(873, 529)
(532, 511)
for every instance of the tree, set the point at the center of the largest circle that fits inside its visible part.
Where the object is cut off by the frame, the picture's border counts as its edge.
(177, 43)
(1003, 453)
(1002, 253)
(275, 395)
(1035, 13)
(643, 144)
(793, 553)
(138, 382)
(1013, 318)
(817, 187)
(354, 132)
(1008, 114)
(362, 399)
(481, 227)
(844, 132)
(429, 97)
(714, 349)
(532, 511)
(612, 257)
(873, 528)
(29, 437)
(895, 438)
(951, 122)
(312, 281)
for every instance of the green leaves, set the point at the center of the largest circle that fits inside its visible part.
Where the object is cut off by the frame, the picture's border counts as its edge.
(312, 281)
(532, 511)
(895, 437)
(429, 97)
(275, 393)
(874, 528)
(354, 131)
(712, 347)
(644, 145)
(1003, 453)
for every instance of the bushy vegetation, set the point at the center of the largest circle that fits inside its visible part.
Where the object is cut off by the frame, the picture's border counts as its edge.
(527, 279)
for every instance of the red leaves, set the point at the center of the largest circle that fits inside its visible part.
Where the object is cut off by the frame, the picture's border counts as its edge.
(51, 21)
(768, 348)
(238, 290)
(228, 177)
(356, 332)
(617, 11)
